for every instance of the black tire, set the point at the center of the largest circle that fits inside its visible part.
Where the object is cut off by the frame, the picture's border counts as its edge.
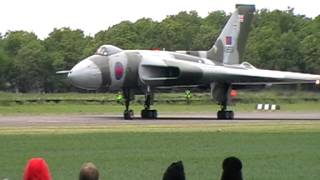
(144, 114)
(221, 115)
(131, 113)
(225, 115)
(231, 115)
(154, 114)
(149, 114)
(128, 114)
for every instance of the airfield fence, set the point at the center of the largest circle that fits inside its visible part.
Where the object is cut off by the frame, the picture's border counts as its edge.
(176, 98)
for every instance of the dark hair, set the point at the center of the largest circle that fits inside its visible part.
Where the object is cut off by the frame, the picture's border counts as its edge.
(89, 171)
(231, 169)
(174, 172)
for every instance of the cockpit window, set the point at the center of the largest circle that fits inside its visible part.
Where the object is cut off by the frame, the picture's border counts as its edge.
(108, 50)
(102, 51)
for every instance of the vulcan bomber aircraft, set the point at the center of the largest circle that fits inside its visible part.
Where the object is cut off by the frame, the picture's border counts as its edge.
(136, 72)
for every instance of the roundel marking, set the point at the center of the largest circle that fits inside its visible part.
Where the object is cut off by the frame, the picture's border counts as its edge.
(118, 70)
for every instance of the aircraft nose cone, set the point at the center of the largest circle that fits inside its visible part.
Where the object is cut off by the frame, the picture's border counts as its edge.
(85, 75)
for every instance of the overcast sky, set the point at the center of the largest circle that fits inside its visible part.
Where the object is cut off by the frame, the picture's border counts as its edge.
(41, 16)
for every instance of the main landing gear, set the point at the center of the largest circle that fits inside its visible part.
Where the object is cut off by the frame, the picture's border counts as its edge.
(147, 113)
(221, 92)
(224, 114)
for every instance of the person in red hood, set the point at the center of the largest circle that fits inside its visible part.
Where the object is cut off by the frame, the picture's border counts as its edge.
(37, 169)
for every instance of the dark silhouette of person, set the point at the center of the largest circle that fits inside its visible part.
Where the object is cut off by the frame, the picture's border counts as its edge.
(89, 171)
(174, 172)
(231, 169)
(37, 169)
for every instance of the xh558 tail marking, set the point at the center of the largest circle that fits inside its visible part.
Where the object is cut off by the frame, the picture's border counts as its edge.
(142, 71)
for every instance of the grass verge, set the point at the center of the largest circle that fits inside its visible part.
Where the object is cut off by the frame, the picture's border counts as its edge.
(42, 109)
(286, 151)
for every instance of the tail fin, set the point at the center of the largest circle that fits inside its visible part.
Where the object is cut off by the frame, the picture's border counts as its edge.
(230, 45)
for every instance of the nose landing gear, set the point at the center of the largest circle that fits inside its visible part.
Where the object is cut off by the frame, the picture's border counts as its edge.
(128, 113)
(146, 113)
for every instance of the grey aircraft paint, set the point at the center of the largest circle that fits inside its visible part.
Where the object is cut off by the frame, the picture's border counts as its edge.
(230, 45)
(142, 68)
(102, 63)
(219, 68)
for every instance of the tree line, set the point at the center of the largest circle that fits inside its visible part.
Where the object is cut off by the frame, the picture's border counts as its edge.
(278, 40)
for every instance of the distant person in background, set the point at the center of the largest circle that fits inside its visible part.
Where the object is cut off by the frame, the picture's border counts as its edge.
(174, 172)
(188, 96)
(89, 171)
(37, 169)
(231, 169)
(120, 98)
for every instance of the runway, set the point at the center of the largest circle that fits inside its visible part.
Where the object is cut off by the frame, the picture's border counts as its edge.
(186, 118)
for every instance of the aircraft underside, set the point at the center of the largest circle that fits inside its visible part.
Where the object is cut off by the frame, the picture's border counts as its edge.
(220, 92)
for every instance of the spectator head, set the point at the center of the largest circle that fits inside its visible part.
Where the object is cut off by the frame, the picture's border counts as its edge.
(174, 172)
(37, 168)
(231, 169)
(89, 171)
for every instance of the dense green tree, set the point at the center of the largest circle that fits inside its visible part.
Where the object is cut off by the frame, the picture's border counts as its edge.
(122, 35)
(310, 46)
(27, 61)
(30, 64)
(274, 42)
(4, 65)
(210, 29)
(147, 34)
(311, 53)
(65, 47)
(178, 31)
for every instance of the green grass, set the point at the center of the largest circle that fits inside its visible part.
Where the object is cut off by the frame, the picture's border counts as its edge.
(43, 109)
(10, 96)
(286, 151)
(270, 93)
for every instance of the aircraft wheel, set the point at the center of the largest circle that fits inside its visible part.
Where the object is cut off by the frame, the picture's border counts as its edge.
(225, 115)
(144, 114)
(149, 114)
(154, 114)
(230, 114)
(128, 114)
(221, 115)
